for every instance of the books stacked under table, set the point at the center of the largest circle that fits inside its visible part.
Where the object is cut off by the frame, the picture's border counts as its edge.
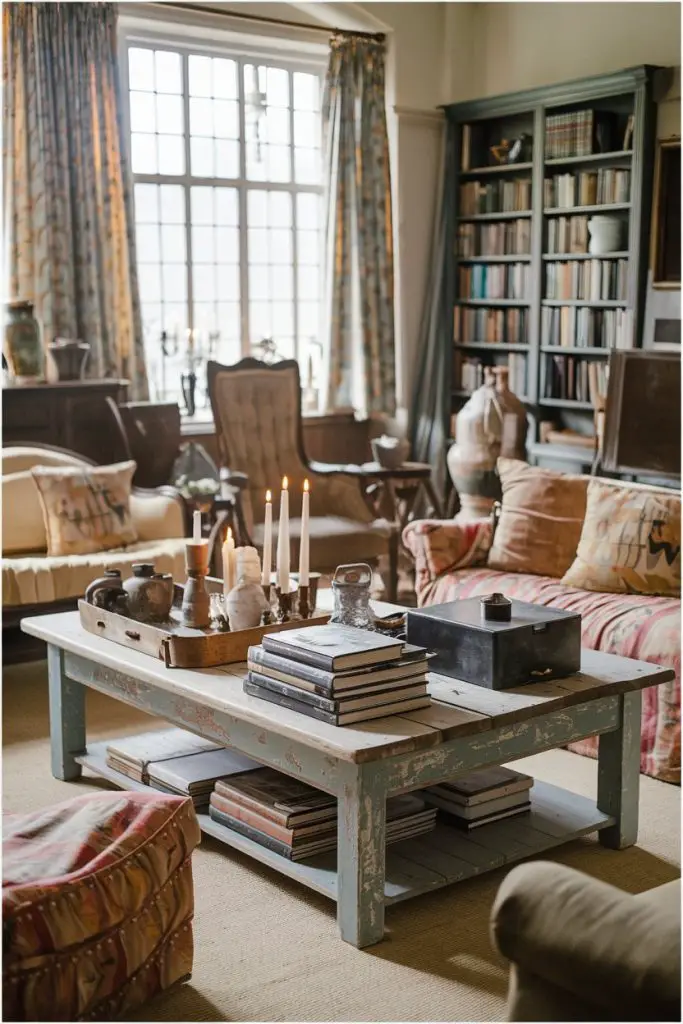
(297, 821)
(338, 674)
(176, 761)
(481, 797)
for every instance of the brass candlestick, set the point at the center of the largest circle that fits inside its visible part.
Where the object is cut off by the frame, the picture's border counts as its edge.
(284, 606)
(303, 606)
(196, 607)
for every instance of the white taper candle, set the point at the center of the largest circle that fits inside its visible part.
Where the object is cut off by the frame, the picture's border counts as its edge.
(304, 560)
(267, 541)
(283, 540)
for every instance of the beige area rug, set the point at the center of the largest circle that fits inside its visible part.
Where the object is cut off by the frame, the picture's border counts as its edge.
(268, 949)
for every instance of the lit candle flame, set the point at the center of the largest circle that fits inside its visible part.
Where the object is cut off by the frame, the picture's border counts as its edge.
(305, 485)
(269, 496)
(285, 483)
(229, 536)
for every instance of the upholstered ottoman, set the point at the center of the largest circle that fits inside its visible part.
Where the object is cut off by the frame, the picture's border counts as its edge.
(97, 904)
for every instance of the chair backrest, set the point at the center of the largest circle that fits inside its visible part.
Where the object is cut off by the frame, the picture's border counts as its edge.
(257, 412)
(153, 433)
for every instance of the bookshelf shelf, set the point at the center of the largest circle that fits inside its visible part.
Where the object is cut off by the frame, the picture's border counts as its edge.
(508, 215)
(571, 211)
(575, 350)
(592, 158)
(593, 304)
(602, 111)
(565, 403)
(492, 302)
(509, 258)
(495, 346)
(563, 257)
(478, 172)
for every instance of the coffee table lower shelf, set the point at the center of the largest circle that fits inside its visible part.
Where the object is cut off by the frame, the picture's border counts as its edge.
(441, 857)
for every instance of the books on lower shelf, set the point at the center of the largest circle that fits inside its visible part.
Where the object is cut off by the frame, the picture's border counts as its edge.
(576, 379)
(568, 234)
(499, 326)
(176, 761)
(594, 280)
(495, 196)
(469, 373)
(481, 797)
(331, 673)
(587, 188)
(504, 238)
(298, 821)
(494, 281)
(583, 327)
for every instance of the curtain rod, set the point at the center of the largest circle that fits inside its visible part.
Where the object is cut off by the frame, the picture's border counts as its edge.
(379, 36)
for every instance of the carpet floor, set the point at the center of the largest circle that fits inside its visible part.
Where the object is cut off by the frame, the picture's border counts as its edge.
(267, 949)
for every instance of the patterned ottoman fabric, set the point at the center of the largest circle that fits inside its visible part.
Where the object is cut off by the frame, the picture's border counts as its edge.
(633, 626)
(97, 904)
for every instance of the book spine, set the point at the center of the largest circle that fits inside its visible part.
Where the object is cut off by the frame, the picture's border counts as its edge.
(250, 803)
(260, 822)
(286, 702)
(288, 690)
(308, 658)
(250, 833)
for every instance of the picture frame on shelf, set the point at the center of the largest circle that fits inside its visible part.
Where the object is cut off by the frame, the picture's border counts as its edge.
(665, 258)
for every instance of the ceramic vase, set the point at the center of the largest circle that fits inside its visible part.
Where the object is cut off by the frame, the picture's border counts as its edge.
(69, 357)
(605, 235)
(245, 605)
(491, 423)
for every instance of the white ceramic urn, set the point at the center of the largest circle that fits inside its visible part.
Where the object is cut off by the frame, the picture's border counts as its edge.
(605, 234)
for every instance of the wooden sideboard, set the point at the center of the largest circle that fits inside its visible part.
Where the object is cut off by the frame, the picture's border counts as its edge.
(72, 415)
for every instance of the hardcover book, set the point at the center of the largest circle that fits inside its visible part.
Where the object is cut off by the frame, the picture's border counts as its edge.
(195, 774)
(336, 718)
(468, 826)
(133, 754)
(484, 785)
(334, 647)
(405, 689)
(476, 812)
(413, 662)
(286, 800)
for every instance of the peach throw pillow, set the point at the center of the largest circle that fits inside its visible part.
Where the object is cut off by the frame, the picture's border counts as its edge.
(630, 542)
(540, 521)
(86, 509)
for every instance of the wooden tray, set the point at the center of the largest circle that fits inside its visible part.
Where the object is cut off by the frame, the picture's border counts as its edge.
(177, 645)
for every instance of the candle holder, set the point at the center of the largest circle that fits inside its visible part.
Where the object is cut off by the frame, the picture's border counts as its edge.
(267, 616)
(284, 606)
(196, 607)
(303, 607)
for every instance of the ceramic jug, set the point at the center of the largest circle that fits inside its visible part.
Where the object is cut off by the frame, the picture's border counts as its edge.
(149, 594)
(23, 346)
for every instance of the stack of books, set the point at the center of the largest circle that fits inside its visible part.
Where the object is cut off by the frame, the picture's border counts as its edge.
(295, 820)
(176, 761)
(338, 674)
(481, 797)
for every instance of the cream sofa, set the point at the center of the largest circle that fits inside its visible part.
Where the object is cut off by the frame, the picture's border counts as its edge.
(32, 582)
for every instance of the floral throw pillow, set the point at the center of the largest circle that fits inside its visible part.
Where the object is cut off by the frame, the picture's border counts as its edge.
(630, 542)
(86, 509)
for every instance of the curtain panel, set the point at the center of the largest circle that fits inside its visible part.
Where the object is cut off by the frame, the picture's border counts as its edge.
(359, 259)
(67, 196)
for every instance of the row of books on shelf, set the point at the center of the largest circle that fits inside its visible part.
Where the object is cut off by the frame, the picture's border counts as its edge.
(469, 373)
(588, 188)
(575, 379)
(595, 280)
(507, 238)
(584, 132)
(581, 327)
(494, 281)
(498, 326)
(567, 234)
(495, 196)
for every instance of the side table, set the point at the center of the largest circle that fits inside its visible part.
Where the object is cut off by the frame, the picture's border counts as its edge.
(400, 489)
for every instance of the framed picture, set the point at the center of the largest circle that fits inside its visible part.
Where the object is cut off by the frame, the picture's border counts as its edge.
(666, 216)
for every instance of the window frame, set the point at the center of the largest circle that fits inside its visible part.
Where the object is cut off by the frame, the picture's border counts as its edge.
(242, 53)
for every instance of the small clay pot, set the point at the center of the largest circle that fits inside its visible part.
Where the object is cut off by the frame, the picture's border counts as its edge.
(106, 591)
(149, 593)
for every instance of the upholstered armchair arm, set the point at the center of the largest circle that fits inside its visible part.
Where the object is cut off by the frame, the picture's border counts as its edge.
(158, 514)
(439, 546)
(587, 938)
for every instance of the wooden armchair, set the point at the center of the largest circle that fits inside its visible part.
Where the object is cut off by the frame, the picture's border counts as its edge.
(257, 412)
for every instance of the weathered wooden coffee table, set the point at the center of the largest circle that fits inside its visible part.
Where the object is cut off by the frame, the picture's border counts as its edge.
(364, 765)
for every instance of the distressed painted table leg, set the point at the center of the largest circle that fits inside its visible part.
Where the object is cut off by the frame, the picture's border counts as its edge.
(361, 857)
(619, 774)
(67, 717)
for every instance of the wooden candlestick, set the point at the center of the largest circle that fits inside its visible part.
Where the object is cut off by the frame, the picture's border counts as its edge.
(196, 607)
(284, 606)
(267, 617)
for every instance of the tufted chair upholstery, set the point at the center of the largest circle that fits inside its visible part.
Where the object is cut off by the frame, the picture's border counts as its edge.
(257, 411)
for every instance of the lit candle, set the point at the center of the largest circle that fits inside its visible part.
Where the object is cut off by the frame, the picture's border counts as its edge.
(283, 540)
(304, 545)
(228, 553)
(267, 541)
(196, 525)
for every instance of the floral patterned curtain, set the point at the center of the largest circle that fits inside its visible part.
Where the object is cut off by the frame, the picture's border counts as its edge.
(359, 259)
(68, 209)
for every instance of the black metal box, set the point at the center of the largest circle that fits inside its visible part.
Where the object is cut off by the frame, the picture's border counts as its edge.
(537, 643)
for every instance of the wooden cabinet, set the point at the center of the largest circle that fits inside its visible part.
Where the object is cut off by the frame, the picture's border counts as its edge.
(72, 415)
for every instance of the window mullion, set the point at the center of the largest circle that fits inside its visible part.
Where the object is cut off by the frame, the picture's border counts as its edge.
(243, 227)
(295, 263)
(187, 190)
